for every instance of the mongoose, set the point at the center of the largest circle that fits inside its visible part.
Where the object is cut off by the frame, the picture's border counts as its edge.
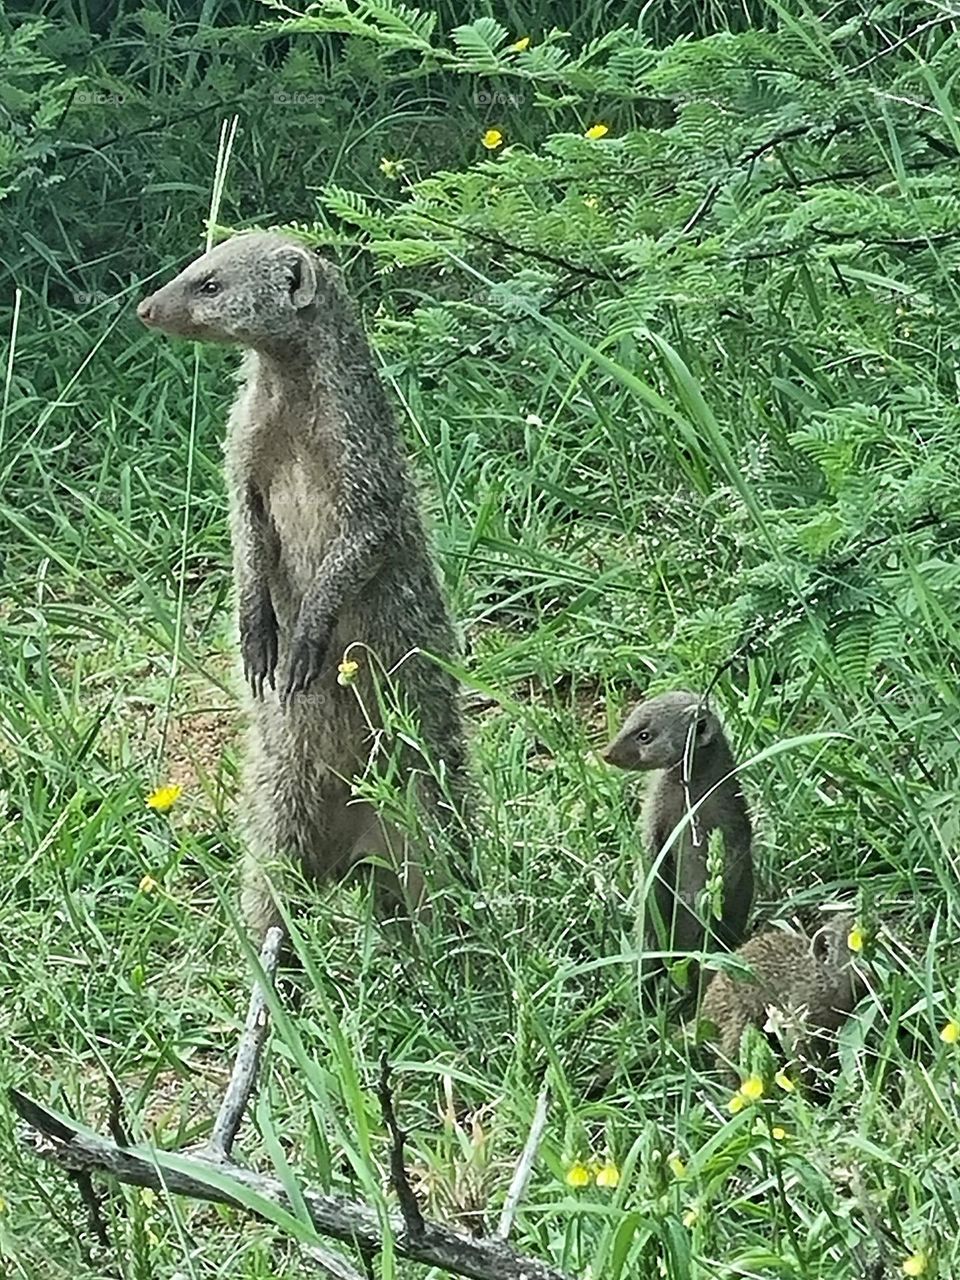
(676, 734)
(329, 552)
(811, 981)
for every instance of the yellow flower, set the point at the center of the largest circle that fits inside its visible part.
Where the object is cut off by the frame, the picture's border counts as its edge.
(915, 1265)
(608, 1175)
(578, 1176)
(778, 1133)
(492, 139)
(148, 1197)
(591, 202)
(519, 45)
(855, 939)
(784, 1081)
(347, 672)
(676, 1165)
(392, 168)
(164, 798)
(736, 1104)
(950, 1034)
(597, 131)
(691, 1216)
(752, 1088)
(148, 885)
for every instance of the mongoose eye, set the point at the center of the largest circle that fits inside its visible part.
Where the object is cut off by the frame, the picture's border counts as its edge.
(210, 287)
(643, 735)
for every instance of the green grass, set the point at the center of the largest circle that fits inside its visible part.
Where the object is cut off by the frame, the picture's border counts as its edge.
(719, 467)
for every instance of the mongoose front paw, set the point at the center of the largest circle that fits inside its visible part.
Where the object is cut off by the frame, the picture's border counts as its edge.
(258, 643)
(306, 661)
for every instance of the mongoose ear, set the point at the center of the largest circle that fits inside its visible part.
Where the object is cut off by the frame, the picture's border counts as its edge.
(706, 728)
(302, 276)
(820, 943)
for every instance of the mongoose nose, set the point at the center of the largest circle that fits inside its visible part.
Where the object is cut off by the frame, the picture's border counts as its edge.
(145, 310)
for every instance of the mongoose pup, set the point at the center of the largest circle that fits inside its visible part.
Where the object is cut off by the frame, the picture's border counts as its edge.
(329, 552)
(678, 735)
(811, 981)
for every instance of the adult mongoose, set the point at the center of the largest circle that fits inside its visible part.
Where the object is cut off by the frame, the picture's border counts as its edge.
(812, 983)
(330, 557)
(678, 735)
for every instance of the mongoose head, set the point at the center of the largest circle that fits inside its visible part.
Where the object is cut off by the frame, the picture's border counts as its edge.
(654, 735)
(830, 947)
(258, 289)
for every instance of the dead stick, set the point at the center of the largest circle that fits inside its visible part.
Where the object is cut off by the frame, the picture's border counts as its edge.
(62, 1141)
(524, 1169)
(331, 1264)
(244, 1072)
(398, 1169)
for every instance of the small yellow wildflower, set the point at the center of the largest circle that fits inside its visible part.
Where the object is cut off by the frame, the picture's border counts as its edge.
(597, 131)
(492, 139)
(752, 1088)
(676, 1165)
(148, 885)
(148, 1197)
(736, 1104)
(391, 168)
(608, 1176)
(591, 202)
(916, 1264)
(347, 672)
(164, 798)
(578, 1176)
(784, 1081)
(855, 939)
(950, 1034)
(778, 1133)
(691, 1216)
(520, 45)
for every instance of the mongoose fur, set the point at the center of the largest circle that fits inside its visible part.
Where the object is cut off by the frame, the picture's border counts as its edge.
(677, 735)
(329, 551)
(812, 981)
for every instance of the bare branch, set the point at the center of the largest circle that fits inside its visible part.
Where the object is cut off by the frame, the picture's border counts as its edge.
(330, 1264)
(398, 1170)
(247, 1060)
(204, 1178)
(524, 1169)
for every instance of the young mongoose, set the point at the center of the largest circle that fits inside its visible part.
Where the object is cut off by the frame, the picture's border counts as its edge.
(329, 552)
(812, 982)
(677, 735)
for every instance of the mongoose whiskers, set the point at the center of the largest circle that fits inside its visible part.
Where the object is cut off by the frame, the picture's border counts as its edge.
(329, 552)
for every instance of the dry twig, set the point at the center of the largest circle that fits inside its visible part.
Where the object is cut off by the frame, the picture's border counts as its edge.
(211, 1174)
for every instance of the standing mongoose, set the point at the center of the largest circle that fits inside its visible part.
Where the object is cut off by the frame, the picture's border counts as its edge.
(329, 553)
(812, 982)
(678, 735)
